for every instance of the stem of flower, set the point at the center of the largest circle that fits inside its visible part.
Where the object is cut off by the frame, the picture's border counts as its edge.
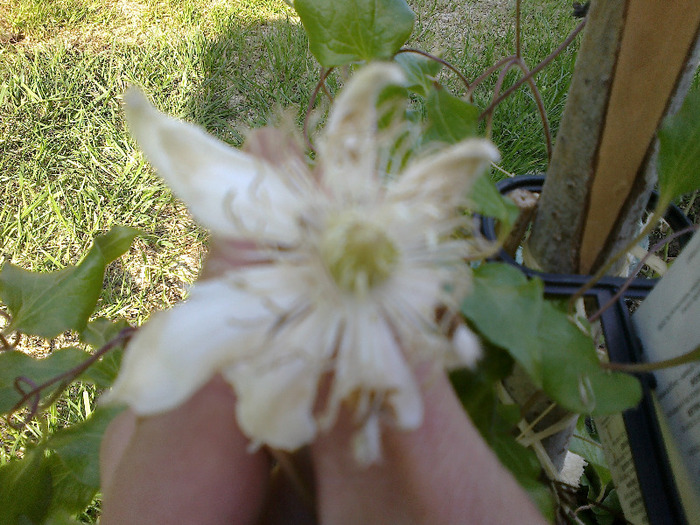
(636, 270)
(635, 368)
(536, 70)
(656, 217)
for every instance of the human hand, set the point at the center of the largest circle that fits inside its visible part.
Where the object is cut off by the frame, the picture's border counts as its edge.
(191, 465)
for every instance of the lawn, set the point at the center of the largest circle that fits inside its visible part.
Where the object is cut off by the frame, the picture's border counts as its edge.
(69, 170)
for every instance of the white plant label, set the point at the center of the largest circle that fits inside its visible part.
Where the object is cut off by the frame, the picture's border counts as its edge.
(668, 324)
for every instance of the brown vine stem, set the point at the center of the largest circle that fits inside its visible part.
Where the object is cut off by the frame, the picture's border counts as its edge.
(637, 268)
(497, 90)
(490, 71)
(603, 270)
(442, 61)
(632, 368)
(540, 107)
(34, 395)
(520, 63)
(536, 70)
(321, 84)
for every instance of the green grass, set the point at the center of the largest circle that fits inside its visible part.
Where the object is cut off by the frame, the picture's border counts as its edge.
(69, 170)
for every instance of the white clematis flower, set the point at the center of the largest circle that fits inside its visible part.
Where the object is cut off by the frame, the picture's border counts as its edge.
(344, 280)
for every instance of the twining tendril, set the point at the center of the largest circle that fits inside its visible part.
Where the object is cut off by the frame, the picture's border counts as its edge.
(31, 398)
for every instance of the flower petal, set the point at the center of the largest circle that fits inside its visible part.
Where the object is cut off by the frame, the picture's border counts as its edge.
(370, 362)
(275, 404)
(231, 193)
(441, 181)
(179, 350)
(348, 155)
(277, 392)
(467, 350)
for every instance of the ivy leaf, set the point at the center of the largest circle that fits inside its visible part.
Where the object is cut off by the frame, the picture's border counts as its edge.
(70, 496)
(49, 304)
(78, 446)
(571, 371)
(679, 151)
(420, 72)
(505, 308)
(344, 32)
(486, 200)
(449, 119)
(610, 507)
(14, 364)
(25, 489)
(509, 310)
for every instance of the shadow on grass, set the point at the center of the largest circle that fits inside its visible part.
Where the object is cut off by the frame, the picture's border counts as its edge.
(250, 72)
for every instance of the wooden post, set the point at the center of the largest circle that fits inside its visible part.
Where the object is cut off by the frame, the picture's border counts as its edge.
(634, 67)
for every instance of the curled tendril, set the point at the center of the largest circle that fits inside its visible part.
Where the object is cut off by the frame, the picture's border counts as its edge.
(31, 398)
(4, 343)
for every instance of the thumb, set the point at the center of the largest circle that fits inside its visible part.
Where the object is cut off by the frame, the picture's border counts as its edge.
(442, 472)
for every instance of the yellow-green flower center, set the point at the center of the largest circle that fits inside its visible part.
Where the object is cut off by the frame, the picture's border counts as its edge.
(358, 254)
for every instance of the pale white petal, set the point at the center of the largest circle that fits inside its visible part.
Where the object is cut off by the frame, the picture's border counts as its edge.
(467, 349)
(369, 360)
(179, 350)
(439, 183)
(348, 154)
(231, 193)
(277, 390)
(275, 403)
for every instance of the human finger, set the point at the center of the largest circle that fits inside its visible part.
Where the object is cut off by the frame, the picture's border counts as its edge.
(442, 472)
(189, 465)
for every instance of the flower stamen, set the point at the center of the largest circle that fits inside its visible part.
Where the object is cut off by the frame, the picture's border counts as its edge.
(359, 255)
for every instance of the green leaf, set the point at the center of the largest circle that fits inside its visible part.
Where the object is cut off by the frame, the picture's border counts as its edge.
(505, 307)
(449, 119)
(488, 201)
(60, 517)
(509, 310)
(420, 72)
(70, 496)
(583, 444)
(97, 334)
(78, 446)
(14, 364)
(101, 331)
(344, 32)
(606, 513)
(679, 151)
(49, 304)
(25, 489)
(571, 371)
